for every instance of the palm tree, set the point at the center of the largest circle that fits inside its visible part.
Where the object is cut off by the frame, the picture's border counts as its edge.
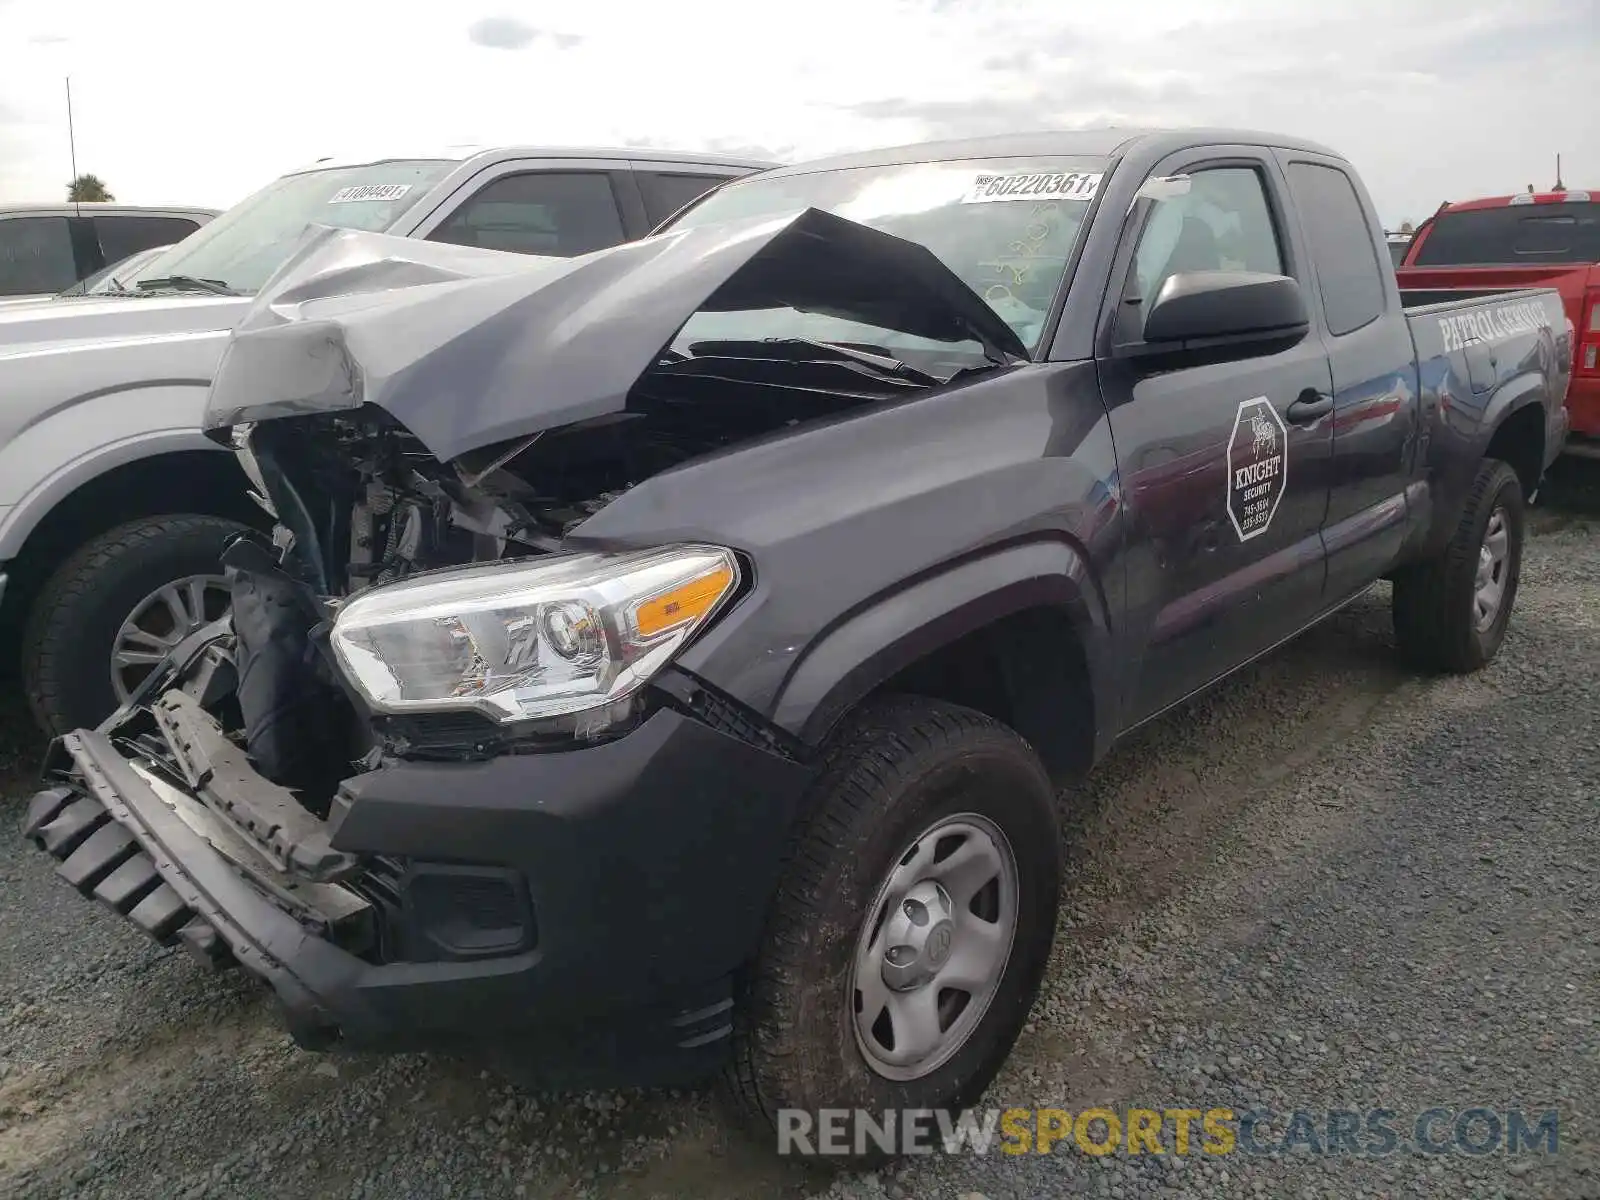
(87, 188)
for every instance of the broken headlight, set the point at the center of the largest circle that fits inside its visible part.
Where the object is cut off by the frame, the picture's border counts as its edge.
(519, 641)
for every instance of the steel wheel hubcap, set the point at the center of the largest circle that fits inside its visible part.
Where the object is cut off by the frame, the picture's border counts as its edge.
(159, 622)
(934, 946)
(1494, 561)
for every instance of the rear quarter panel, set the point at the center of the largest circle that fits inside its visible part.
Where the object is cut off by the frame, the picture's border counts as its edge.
(1576, 284)
(1478, 362)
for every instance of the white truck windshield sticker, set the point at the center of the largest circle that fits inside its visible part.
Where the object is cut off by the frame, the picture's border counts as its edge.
(1033, 185)
(369, 191)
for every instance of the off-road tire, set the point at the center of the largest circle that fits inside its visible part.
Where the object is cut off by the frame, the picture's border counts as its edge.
(66, 646)
(1433, 613)
(899, 765)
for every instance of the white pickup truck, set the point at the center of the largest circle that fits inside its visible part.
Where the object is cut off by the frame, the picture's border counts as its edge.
(113, 507)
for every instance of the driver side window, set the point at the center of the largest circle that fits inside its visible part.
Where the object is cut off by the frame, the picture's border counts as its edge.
(558, 214)
(1223, 223)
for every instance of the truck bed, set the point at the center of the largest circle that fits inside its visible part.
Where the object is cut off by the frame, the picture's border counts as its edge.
(1432, 285)
(1422, 302)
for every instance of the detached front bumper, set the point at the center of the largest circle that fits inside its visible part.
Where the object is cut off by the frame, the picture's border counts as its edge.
(581, 911)
(148, 854)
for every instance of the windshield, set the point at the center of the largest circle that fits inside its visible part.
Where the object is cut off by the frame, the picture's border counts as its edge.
(1567, 232)
(1006, 227)
(246, 244)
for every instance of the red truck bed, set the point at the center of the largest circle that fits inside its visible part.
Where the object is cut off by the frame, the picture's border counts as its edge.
(1506, 243)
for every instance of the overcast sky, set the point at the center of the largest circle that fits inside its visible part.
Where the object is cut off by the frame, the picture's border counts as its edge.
(179, 101)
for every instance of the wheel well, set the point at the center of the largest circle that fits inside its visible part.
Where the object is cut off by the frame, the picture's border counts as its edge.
(185, 481)
(1027, 671)
(1519, 442)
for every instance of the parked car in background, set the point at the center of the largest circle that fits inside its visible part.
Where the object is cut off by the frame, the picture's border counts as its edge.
(1504, 243)
(1398, 244)
(114, 278)
(45, 248)
(670, 659)
(111, 510)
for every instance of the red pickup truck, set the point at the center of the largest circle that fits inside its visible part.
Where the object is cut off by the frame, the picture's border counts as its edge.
(1502, 244)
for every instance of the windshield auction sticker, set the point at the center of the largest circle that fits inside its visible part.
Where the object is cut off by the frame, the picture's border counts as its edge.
(1033, 185)
(1258, 467)
(369, 191)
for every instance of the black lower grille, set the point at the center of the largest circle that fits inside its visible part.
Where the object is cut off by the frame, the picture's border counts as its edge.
(102, 859)
(434, 912)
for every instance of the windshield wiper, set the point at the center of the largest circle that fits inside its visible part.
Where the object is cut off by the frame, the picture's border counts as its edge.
(882, 358)
(878, 360)
(983, 368)
(215, 287)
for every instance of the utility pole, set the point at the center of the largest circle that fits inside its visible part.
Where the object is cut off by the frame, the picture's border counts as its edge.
(1560, 187)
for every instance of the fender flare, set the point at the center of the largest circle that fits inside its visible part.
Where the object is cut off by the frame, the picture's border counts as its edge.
(1523, 391)
(870, 645)
(1461, 452)
(1517, 395)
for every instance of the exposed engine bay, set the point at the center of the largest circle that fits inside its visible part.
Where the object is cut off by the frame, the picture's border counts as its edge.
(367, 503)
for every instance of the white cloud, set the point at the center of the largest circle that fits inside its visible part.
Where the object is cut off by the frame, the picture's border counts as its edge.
(189, 102)
(508, 33)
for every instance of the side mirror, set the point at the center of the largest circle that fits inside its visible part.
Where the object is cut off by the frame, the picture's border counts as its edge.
(1223, 312)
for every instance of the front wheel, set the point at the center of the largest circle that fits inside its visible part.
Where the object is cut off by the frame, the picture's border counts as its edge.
(1451, 612)
(912, 924)
(113, 610)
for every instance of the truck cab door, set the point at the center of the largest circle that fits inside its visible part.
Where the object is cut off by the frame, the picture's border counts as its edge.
(1375, 392)
(1223, 465)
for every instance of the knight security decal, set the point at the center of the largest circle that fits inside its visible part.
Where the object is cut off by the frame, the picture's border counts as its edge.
(1258, 467)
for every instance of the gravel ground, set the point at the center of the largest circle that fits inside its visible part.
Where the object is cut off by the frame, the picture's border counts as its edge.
(1326, 885)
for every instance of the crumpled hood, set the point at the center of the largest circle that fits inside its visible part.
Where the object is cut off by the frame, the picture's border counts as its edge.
(468, 347)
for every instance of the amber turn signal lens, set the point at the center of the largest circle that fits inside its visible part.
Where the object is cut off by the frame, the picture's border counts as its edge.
(685, 603)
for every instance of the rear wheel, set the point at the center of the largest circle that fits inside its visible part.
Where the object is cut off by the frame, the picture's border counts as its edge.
(114, 609)
(1451, 612)
(912, 924)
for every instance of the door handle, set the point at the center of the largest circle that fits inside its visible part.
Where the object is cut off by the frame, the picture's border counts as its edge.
(1312, 405)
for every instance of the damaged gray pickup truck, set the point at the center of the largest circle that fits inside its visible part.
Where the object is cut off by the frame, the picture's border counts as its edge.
(666, 659)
